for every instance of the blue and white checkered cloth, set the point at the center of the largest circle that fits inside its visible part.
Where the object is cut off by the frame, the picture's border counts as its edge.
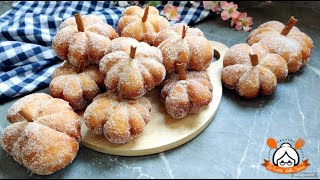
(26, 31)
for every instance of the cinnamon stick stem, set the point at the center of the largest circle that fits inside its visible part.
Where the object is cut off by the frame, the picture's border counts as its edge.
(145, 15)
(292, 22)
(133, 52)
(184, 31)
(79, 22)
(182, 71)
(26, 114)
(254, 59)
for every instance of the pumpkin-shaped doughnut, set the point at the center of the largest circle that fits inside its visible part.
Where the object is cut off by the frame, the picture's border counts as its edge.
(252, 70)
(288, 41)
(135, 74)
(45, 133)
(175, 30)
(119, 120)
(77, 89)
(141, 24)
(143, 49)
(186, 92)
(194, 51)
(82, 41)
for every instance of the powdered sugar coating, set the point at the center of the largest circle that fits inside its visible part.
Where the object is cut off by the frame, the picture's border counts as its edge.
(135, 76)
(273, 29)
(11, 134)
(250, 81)
(131, 25)
(40, 149)
(143, 50)
(287, 48)
(77, 89)
(137, 10)
(186, 96)
(173, 31)
(42, 107)
(194, 51)
(50, 141)
(30, 102)
(276, 25)
(119, 122)
(91, 70)
(88, 46)
(276, 64)
(239, 54)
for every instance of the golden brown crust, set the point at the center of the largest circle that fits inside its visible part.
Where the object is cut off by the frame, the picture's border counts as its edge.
(47, 110)
(288, 49)
(294, 41)
(131, 25)
(88, 46)
(50, 141)
(182, 97)
(173, 31)
(77, 89)
(248, 80)
(194, 51)
(30, 103)
(136, 76)
(276, 64)
(119, 122)
(11, 135)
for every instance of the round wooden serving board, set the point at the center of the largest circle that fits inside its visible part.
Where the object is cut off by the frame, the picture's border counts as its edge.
(163, 132)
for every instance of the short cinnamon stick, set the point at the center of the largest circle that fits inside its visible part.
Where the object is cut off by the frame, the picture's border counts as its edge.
(184, 31)
(79, 22)
(26, 114)
(292, 22)
(133, 52)
(145, 15)
(182, 71)
(254, 59)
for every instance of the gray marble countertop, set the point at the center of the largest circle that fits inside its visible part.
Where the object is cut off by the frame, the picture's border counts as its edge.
(234, 144)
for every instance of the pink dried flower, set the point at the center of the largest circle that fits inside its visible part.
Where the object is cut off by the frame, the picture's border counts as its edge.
(213, 5)
(171, 12)
(229, 10)
(244, 22)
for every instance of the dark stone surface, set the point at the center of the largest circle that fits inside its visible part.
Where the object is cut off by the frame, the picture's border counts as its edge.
(234, 144)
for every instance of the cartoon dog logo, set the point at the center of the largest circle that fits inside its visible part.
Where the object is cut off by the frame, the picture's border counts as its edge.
(285, 158)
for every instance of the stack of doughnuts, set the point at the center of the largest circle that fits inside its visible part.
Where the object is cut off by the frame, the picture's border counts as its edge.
(186, 92)
(273, 51)
(45, 132)
(186, 55)
(81, 42)
(121, 113)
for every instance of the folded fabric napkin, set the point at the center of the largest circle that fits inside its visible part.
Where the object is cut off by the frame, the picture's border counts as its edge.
(26, 31)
